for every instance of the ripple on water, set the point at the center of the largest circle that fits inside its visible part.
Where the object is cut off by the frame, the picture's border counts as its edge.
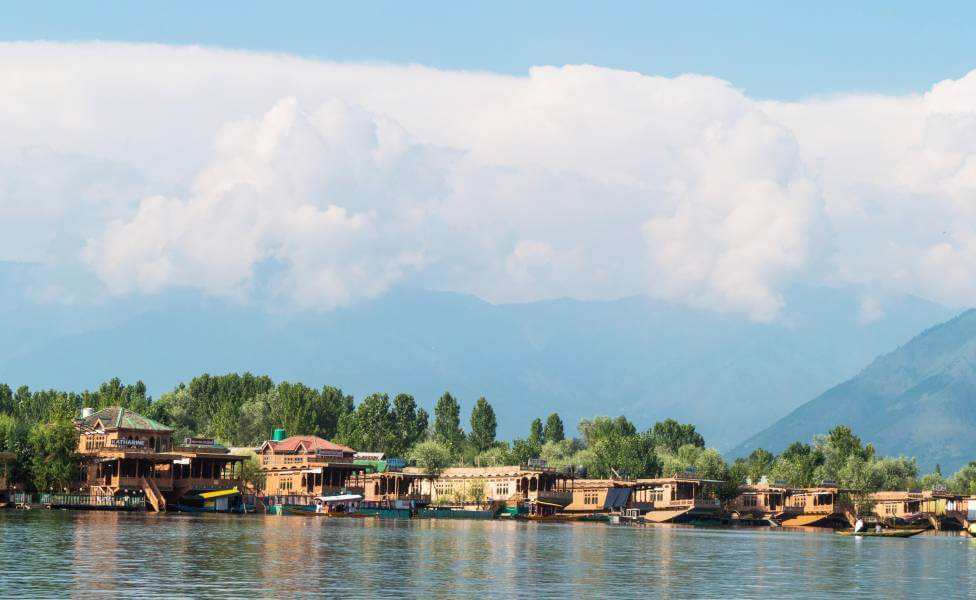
(105, 554)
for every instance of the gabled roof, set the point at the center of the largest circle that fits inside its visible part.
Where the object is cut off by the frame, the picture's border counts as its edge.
(116, 417)
(305, 444)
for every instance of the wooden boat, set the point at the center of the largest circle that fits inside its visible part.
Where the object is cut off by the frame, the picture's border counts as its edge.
(890, 533)
(559, 518)
(303, 512)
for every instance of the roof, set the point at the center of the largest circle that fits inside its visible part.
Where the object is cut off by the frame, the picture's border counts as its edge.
(616, 498)
(116, 417)
(7, 456)
(310, 443)
(340, 498)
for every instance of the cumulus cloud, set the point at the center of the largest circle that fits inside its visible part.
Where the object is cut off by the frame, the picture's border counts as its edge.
(317, 184)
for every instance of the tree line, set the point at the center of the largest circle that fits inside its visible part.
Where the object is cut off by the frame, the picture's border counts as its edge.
(242, 410)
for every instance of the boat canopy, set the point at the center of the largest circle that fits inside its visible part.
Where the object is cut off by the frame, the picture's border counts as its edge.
(219, 493)
(340, 498)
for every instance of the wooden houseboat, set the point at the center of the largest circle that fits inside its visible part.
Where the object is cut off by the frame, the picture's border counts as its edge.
(300, 468)
(523, 489)
(682, 497)
(126, 455)
(596, 496)
(761, 501)
(817, 506)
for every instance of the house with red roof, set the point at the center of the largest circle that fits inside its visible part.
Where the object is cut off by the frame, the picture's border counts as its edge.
(301, 467)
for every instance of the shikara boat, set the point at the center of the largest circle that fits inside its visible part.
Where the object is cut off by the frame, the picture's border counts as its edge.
(304, 512)
(890, 533)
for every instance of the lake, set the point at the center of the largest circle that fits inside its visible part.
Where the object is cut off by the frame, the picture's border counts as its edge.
(107, 554)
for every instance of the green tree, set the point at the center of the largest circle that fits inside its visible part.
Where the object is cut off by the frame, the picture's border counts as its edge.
(447, 423)
(410, 426)
(536, 434)
(432, 457)
(625, 456)
(598, 428)
(53, 461)
(483, 426)
(375, 423)
(964, 480)
(553, 431)
(798, 465)
(250, 472)
(669, 436)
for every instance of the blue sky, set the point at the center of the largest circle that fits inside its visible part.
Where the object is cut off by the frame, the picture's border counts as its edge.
(783, 50)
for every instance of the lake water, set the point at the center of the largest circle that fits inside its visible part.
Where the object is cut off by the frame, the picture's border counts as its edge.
(104, 554)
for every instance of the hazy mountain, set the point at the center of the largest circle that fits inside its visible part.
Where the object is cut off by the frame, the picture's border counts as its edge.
(919, 400)
(640, 357)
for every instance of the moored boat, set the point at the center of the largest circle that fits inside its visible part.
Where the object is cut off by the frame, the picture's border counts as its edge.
(890, 533)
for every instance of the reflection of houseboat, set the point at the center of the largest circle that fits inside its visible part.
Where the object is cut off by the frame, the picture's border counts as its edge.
(300, 468)
(128, 461)
(6, 459)
(685, 496)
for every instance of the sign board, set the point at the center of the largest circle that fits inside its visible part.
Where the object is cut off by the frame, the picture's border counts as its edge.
(329, 453)
(312, 471)
(181, 461)
(123, 443)
(395, 463)
(192, 441)
(538, 463)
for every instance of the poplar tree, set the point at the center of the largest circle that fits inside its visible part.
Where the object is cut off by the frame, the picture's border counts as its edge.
(447, 423)
(484, 426)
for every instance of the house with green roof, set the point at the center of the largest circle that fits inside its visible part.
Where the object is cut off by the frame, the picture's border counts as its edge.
(126, 456)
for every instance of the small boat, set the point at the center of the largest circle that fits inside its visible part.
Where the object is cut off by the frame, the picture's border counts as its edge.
(890, 533)
(304, 512)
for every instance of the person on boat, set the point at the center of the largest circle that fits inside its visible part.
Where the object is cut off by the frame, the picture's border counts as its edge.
(877, 527)
(859, 526)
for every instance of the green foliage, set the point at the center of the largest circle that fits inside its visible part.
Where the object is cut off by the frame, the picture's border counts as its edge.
(409, 425)
(536, 434)
(798, 465)
(447, 423)
(624, 456)
(53, 461)
(964, 481)
(483, 426)
(524, 450)
(476, 491)
(669, 436)
(598, 428)
(497, 455)
(758, 463)
(250, 472)
(432, 457)
(553, 431)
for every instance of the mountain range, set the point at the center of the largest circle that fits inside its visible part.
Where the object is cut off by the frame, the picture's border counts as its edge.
(643, 358)
(919, 400)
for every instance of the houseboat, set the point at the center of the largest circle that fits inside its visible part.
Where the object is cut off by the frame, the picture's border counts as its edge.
(301, 468)
(389, 490)
(593, 497)
(817, 506)
(681, 497)
(761, 502)
(6, 460)
(534, 489)
(130, 461)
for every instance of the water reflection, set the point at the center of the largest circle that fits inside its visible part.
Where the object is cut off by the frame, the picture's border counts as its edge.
(101, 554)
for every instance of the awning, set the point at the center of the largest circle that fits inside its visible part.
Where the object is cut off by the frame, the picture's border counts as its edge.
(340, 498)
(548, 503)
(219, 493)
(617, 498)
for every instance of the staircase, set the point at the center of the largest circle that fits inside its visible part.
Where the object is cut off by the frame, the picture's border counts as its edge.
(153, 495)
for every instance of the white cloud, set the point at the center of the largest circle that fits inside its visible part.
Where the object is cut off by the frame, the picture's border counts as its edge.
(319, 184)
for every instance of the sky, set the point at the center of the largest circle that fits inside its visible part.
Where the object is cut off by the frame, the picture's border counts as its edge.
(313, 155)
